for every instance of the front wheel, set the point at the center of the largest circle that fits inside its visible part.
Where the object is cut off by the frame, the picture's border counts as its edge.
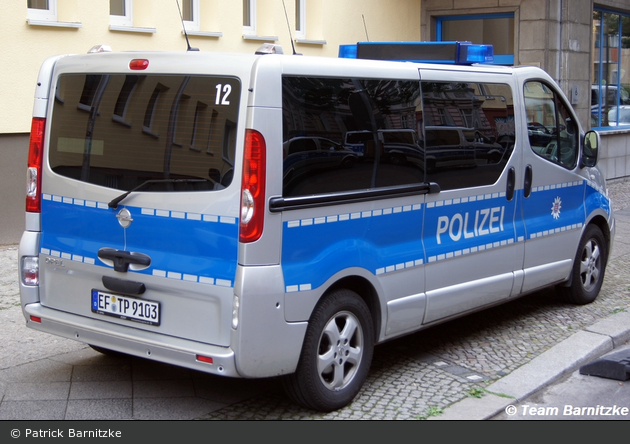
(588, 268)
(336, 354)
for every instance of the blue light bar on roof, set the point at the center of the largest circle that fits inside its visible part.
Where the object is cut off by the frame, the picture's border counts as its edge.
(458, 53)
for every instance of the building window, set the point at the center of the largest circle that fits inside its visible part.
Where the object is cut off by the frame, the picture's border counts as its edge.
(490, 29)
(300, 19)
(120, 13)
(610, 91)
(249, 17)
(45, 10)
(190, 14)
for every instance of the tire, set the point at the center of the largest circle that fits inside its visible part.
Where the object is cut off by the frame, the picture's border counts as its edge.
(588, 268)
(336, 354)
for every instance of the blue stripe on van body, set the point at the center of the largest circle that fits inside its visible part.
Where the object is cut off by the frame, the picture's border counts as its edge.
(596, 199)
(188, 246)
(554, 208)
(380, 241)
(388, 240)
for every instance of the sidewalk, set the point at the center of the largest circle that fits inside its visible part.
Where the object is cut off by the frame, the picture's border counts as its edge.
(568, 355)
(514, 349)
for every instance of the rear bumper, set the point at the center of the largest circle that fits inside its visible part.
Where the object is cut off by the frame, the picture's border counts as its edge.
(132, 341)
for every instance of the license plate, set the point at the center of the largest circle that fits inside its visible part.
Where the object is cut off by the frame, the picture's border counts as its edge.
(124, 307)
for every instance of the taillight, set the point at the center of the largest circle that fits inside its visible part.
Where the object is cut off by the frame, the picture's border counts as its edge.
(29, 270)
(34, 168)
(253, 187)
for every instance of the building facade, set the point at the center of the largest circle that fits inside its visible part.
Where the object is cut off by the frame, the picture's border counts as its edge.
(584, 45)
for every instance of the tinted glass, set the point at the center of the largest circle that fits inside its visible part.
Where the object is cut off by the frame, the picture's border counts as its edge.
(121, 130)
(346, 134)
(552, 131)
(468, 132)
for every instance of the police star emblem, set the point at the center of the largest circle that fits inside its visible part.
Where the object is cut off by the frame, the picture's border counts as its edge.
(555, 208)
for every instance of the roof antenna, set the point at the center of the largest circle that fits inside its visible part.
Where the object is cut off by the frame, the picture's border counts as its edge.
(289, 26)
(184, 27)
(365, 27)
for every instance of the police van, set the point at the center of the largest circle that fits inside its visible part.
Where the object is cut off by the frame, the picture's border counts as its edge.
(161, 223)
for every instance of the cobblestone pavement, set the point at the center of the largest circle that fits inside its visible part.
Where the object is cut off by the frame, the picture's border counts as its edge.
(427, 371)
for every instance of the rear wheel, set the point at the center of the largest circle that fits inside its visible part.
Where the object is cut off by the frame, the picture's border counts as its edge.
(336, 354)
(588, 268)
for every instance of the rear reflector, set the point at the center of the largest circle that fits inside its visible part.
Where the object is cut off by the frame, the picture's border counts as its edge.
(36, 319)
(206, 359)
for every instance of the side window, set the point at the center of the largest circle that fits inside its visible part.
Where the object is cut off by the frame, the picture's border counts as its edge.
(349, 134)
(468, 132)
(551, 128)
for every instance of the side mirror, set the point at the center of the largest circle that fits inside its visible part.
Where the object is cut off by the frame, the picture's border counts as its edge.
(590, 149)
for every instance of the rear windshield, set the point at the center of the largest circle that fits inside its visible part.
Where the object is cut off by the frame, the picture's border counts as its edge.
(120, 131)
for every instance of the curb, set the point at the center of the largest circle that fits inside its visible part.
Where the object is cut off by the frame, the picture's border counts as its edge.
(566, 356)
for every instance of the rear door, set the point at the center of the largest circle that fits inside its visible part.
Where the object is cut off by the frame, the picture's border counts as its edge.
(140, 212)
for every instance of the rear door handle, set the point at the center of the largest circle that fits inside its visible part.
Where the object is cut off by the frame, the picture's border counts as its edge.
(121, 259)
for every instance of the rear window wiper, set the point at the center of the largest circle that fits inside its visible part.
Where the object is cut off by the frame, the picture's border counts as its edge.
(114, 202)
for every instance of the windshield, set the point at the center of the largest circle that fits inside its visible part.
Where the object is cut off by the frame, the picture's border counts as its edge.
(120, 131)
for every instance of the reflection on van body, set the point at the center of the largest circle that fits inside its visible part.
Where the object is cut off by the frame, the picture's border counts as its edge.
(307, 156)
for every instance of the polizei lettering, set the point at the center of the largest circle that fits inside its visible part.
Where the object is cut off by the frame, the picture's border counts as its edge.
(469, 225)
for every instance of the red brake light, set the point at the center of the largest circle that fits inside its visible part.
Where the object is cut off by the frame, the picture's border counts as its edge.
(253, 187)
(139, 64)
(34, 168)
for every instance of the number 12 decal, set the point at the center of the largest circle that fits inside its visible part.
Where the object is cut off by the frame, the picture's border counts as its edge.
(223, 100)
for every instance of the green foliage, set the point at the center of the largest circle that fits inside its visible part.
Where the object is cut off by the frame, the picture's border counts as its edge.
(431, 411)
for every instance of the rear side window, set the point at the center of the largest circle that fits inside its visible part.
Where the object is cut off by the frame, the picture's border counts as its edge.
(468, 132)
(349, 134)
(120, 131)
(363, 134)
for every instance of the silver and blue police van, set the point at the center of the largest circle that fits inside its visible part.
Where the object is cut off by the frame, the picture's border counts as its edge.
(204, 210)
